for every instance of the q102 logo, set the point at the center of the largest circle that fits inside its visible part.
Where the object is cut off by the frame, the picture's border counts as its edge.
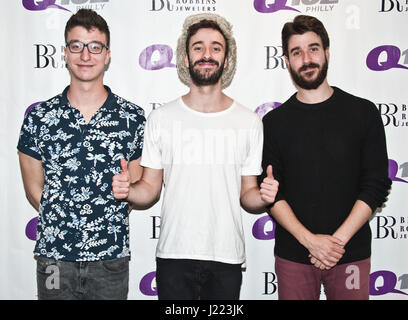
(41, 5)
(387, 57)
(156, 57)
(389, 283)
(271, 6)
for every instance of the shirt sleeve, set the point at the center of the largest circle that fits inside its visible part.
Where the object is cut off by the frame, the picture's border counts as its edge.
(28, 142)
(271, 156)
(374, 181)
(152, 153)
(252, 164)
(137, 144)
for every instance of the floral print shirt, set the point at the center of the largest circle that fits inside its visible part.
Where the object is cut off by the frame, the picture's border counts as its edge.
(79, 219)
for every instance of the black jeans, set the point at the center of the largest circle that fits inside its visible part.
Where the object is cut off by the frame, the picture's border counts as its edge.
(94, 280)
(185, 279)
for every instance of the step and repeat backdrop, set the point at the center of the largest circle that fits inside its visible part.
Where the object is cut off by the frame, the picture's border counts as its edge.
(369, 58)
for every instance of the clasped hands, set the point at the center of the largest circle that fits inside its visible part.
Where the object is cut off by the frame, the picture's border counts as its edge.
(325, 251)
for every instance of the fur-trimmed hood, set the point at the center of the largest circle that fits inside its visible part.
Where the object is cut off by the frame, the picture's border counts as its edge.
(226, 27)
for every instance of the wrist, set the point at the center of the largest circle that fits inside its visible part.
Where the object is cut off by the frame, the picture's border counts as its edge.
(306, 238)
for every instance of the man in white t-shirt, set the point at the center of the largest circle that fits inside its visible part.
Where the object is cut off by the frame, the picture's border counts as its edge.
(206, 148)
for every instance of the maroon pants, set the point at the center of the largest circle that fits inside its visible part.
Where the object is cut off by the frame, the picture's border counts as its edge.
(298, 281)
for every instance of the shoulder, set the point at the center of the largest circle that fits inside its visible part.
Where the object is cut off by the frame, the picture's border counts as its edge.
(247, 114)
(357, 103)
(277, 113)
(166, 110)
(37, 110)
(127, 106)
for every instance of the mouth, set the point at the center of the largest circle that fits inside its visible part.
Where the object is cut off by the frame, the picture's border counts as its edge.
(309, 69)
(84, 66)
(206, 64)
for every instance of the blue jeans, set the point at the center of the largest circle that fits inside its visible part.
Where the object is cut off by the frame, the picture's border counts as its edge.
(94, 280)
(185, 279)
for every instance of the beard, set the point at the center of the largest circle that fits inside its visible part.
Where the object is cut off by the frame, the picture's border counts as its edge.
(205, 79)
(303, 82)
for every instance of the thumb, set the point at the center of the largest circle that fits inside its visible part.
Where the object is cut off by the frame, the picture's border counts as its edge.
(123, 164)
(269, 172)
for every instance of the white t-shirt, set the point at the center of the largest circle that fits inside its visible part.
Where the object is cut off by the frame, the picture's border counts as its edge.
(203, 156)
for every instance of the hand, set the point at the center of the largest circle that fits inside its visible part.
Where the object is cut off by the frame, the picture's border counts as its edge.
(318, 264)
(269, 187)
(327, 249)
(121, 182)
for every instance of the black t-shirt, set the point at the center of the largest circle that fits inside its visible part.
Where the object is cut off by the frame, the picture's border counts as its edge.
(325, 157)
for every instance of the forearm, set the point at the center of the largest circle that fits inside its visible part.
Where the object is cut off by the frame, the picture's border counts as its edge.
(284, 215)
(359, 215)
(33, 179)
(252, 202)
(143, 195)
(34, 197)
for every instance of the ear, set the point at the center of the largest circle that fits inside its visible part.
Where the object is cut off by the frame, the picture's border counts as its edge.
(186, 62)
(107, 57)
(287, 61)
(327, 53)
(225, 62)
(65, 56)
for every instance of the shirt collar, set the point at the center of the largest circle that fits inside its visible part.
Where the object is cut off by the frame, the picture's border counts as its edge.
(109, 103)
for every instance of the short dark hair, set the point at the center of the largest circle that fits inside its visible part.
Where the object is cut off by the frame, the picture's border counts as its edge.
(300, 25)
(88, 19)
(203, 24)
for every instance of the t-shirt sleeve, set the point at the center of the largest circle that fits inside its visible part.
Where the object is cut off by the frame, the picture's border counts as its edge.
(28, 142)
(137, 144)
(152, 153)
(252, 164)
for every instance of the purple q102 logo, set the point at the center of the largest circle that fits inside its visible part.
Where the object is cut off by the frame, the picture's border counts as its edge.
(393, 54)
(393, 168)
(389, 283)
(258, 229)
(156, 57)
(270, 6)
(263, 109)
(31, 229)
(35, 5)
(31, 106)
(146, 286)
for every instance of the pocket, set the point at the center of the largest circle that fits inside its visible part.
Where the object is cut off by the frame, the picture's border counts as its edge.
(44, 265)
(116, 265)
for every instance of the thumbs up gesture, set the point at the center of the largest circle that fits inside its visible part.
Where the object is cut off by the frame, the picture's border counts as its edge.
(269, 187)
(121, 182)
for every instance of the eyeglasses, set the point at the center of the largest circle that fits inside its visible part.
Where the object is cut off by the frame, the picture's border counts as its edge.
(94, 47)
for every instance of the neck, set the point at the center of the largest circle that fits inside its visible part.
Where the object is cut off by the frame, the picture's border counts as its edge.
(320, 94)
(207, 98)
(86, 95)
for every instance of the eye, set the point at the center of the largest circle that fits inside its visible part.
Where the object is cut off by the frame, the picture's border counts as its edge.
(95, 46)
(76, 46)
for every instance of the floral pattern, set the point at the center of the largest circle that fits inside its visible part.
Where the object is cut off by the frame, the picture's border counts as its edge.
(79, 219)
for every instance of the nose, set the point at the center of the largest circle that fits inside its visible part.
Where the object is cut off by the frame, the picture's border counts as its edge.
(85, 54)
(207, 53)
(306, 57)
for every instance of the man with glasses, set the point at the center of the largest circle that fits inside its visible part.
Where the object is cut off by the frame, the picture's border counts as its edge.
(70, 148)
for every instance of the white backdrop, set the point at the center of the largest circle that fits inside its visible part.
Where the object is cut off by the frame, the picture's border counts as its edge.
(369, 58)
